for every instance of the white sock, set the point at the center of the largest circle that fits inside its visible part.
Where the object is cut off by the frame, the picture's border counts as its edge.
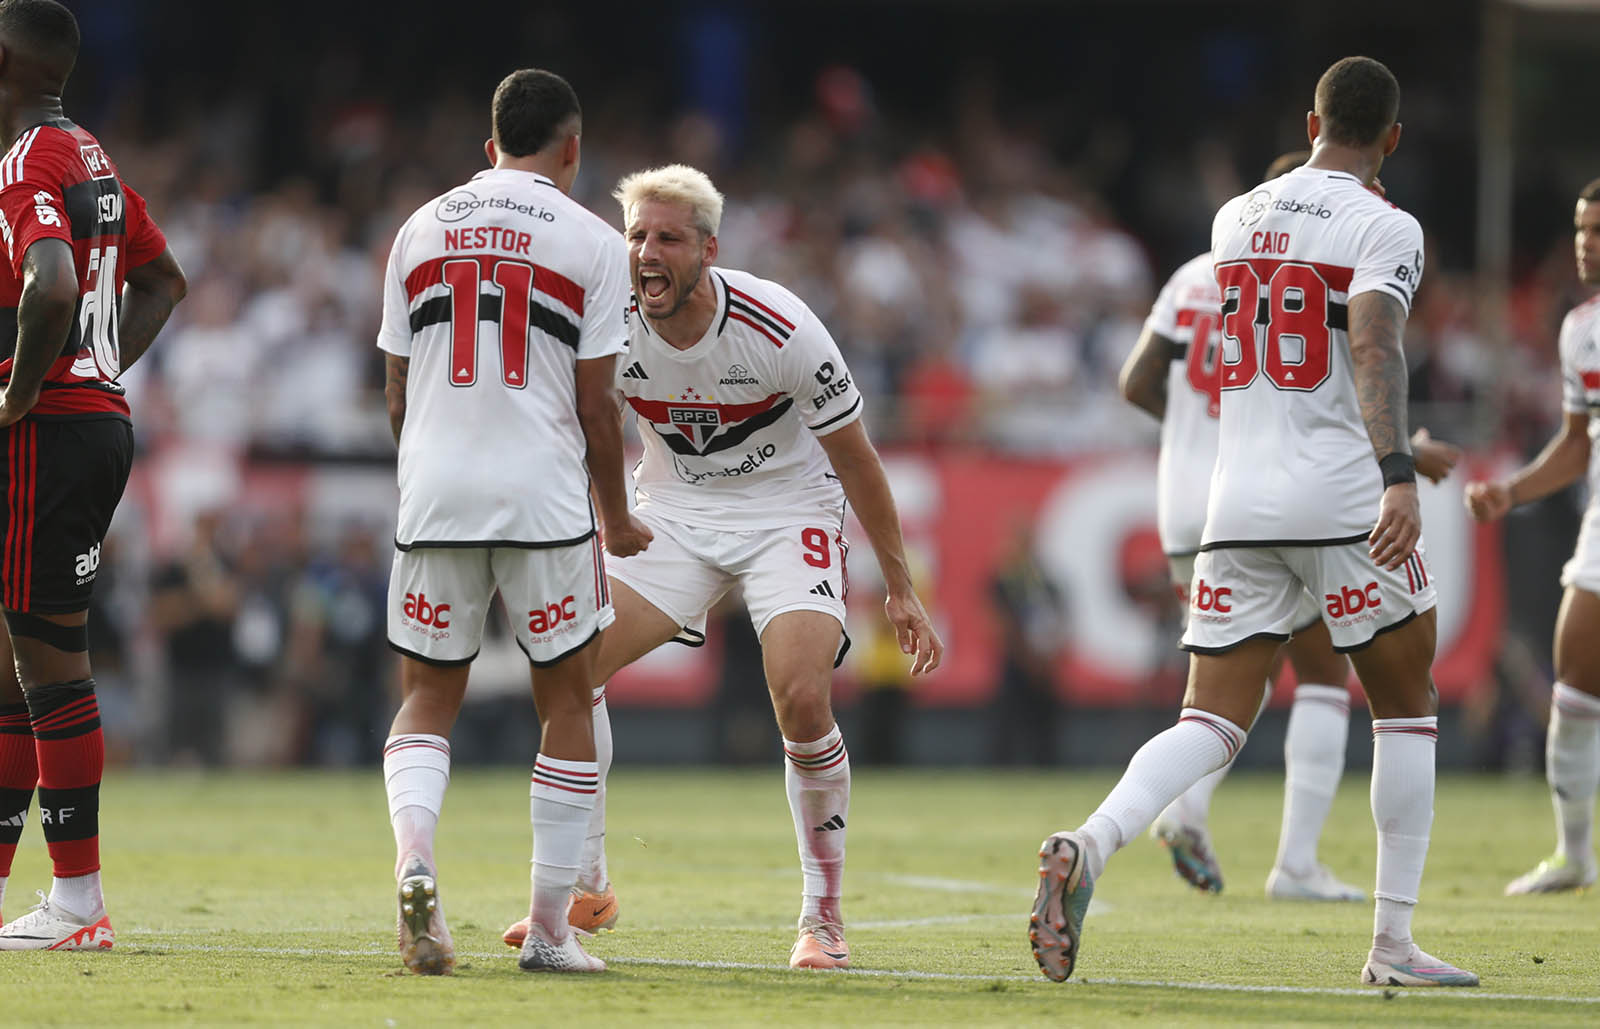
(560, 799)
(592, 875)
(416, 772)
(1169, 763)
(1572, 766)
(1193, 806)
(80, 896)
(1313, 761)
(3, 879)
(1402, 809)
(816, 776)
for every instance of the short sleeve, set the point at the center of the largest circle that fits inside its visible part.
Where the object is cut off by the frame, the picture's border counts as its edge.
(1390, 258)
(33, 209)
(1163, 317)
(604, 331)
(823, 389)
(1574, 397)
(146, 241)
(394, 334)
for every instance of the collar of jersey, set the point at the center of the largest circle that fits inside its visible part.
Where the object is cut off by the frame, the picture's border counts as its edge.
(515, 171)
(713, 332)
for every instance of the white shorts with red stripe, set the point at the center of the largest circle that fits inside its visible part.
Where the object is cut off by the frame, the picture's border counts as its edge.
(557, 599)
(1182, 566)
(1245, 593)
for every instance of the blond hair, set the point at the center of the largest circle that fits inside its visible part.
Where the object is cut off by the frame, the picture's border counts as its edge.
(673, 184)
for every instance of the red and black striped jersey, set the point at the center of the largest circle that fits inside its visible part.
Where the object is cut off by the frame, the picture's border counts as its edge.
(57, 183)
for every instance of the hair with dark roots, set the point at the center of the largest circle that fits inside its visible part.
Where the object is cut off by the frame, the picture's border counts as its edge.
(46, 30)
(1591, 192)
(530, 106)
(1283, 164)
(1357, 99)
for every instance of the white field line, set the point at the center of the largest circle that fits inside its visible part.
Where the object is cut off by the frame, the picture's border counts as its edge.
(888, 973)
(929, 882)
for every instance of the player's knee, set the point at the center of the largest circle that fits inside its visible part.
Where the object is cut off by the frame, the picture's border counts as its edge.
(53, 696)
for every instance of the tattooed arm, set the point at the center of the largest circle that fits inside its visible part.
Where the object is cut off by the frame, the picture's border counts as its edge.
(44, 318)
(1377, 324)
(150, 293)
(394, 391)
(1144, 375)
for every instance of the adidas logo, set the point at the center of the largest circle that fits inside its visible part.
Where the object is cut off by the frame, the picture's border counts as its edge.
(738, 375)
(635, 371)
(830, 825)
(822, 589)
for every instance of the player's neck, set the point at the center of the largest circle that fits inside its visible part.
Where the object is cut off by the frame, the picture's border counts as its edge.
(539, 164)
(26, 112)
(690, 323)
(1361, 162)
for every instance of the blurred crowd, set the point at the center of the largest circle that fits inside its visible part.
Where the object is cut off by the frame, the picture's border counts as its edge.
(983, 290)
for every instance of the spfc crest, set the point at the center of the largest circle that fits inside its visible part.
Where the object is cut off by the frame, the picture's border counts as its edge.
(697, 422)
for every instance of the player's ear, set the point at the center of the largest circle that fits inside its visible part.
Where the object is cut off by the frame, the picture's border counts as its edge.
(1313, 128)
(572, 150)
(491, 152)
(711, 250)
(1393, 139)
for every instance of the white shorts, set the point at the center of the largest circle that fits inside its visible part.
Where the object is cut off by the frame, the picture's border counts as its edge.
(1245, 593)
(1182, 565)
(1583, 568)
(687, 569)
(556, 597)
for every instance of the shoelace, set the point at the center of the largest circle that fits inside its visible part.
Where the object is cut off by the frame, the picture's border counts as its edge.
(831, 934)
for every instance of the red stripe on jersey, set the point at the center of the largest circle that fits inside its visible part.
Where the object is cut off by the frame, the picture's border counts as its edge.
(758, 327)
(1337, 278)
(31, 441)
(550, 283)
(1186, 317)
(750, 299)
(1591, 380)
(658, 410)
(13, 487)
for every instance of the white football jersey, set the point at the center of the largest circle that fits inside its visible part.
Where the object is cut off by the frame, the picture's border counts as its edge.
(1186, 311)
(494, 291)
(730, 425)
(1294, 461)
(1580, 382)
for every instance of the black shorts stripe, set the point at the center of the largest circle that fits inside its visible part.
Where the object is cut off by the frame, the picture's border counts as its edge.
(1236, 644)
(1392, 626)
(434, 661)
(1336, 542)
(491, 544)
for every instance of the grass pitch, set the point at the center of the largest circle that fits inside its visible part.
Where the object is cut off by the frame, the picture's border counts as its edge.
(268, 899)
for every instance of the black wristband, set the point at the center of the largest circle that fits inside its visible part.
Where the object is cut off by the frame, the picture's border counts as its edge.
(1398, 468)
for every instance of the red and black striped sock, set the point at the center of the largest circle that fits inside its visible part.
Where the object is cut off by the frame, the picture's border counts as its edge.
(72, 758)
(19, 773)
